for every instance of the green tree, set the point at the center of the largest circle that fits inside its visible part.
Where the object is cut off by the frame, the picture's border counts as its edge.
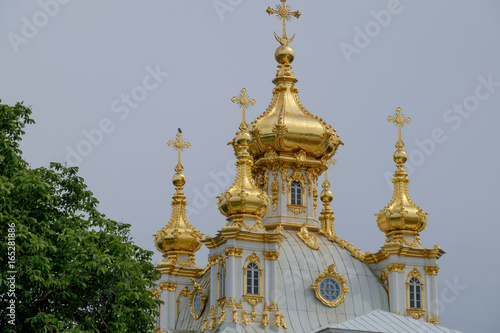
(73, 269)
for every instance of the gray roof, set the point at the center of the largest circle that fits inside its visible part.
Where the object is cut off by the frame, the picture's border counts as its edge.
(386, 322)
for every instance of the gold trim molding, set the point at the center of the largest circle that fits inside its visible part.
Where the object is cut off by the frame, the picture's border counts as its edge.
(310, 239)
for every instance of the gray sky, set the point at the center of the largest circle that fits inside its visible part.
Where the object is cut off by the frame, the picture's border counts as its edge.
(110, 82)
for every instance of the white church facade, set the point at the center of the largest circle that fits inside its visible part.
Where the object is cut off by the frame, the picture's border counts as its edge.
(276, 264)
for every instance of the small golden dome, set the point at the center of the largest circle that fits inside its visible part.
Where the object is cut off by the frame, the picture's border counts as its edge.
(243, 197)
(401, 215)
(178, 236)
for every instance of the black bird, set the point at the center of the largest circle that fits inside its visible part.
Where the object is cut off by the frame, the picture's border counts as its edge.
(179, 130)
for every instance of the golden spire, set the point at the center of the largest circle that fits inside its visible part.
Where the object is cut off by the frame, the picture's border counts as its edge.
(283, 12)
(243, 199)
(401, 217)
(243, 101)
(178, 240)
(326, 216)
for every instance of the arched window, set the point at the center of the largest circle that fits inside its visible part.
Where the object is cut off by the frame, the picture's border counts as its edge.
(296, 193)
(253, 273)
(222, 281)
(415, 293)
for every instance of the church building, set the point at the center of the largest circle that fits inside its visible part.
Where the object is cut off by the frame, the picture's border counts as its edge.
(276, 263)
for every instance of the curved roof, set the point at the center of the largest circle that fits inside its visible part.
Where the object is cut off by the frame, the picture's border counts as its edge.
(299, 266)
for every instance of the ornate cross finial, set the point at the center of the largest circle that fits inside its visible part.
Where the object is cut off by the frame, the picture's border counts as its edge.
(244, 102)
(284, 13)
(399, 119)
(179, 145)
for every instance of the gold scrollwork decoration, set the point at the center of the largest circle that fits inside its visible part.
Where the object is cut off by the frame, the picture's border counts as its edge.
(311, 240)
(192, 299)
(233, 252)
(168, 286)
(431, 270)
(396, 267)
(271, 255)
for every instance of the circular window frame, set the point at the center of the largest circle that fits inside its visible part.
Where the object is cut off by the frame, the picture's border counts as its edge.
(192, 298)
(335, 277)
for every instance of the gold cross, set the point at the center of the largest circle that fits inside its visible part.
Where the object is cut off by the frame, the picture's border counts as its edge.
(179, 145)
(399, 119)
(244, 102)
(284, 13)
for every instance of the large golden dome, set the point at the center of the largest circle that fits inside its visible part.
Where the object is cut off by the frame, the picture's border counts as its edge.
(286, 126)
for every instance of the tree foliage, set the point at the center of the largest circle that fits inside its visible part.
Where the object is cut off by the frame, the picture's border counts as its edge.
(75, 269)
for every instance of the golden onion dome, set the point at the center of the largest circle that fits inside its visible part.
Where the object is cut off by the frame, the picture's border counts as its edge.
(286, 126)
(243, 197)
(401, 216)
(178, 237)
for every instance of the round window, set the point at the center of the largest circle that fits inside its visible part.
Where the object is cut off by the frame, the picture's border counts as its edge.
(197, 303)
(330, 289)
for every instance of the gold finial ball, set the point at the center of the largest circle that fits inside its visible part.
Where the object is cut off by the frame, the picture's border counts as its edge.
(400, 156)
(243, 137)
(284, 54)
(326, 196)
(179, 179)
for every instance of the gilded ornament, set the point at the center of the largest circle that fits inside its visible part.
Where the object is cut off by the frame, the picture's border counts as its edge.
(277, 321)
(431, 270)
(205, 324)
(275, 188)
(212, 323)
(192, 299)
(155, 293)
(271, 307)
(184, 293)
(244, 318)
(212, 260)
(284, 13)
(433, 320)
(233, 304)
(271, 255)
(222, 317)
(233, 252)
(265, 320)
(311, 240)
(396, 267)
(296, 209)
(235, 315)
(330, 272)
(282, 321)
(169, 286)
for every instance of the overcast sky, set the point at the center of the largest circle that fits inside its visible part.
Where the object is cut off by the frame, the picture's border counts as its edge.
(111, 81)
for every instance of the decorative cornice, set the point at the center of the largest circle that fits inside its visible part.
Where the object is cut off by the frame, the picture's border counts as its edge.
(233, 233)
(389, 250)
(396, 267)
